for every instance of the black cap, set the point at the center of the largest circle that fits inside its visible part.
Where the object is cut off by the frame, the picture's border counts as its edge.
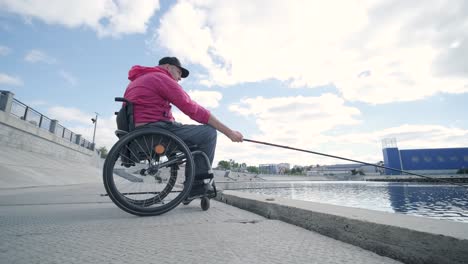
(174, 61)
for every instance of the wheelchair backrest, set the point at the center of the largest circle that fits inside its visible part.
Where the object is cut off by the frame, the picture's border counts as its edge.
(125, 120)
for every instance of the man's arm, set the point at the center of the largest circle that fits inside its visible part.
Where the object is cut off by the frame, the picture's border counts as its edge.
(233, 135)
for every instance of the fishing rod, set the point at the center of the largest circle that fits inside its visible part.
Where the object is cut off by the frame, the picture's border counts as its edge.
(352, 160)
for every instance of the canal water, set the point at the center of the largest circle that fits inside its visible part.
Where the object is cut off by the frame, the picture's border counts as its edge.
(427, 200)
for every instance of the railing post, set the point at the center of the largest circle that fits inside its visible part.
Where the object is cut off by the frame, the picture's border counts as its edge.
(53, 126)
(25, 113)
(77, 139)
(6, 100)
(40, 120)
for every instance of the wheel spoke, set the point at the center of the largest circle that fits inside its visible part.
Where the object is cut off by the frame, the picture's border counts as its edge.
(154, 186)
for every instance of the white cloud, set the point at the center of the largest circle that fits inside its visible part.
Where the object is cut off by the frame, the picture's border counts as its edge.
(415, 136)
(80, 122)
(373, 51)
(68, 77)
(296, 121)
(207, 99)
(4, 50)
(106, 17)
(69, 114)
(105, 129)
(297, 117)
(6, 79)
(34, 56)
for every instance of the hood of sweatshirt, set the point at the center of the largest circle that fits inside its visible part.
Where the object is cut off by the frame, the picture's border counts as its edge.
(137, 71)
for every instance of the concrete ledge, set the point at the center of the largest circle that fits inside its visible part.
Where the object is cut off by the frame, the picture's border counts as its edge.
(406, 238)
(19, 134)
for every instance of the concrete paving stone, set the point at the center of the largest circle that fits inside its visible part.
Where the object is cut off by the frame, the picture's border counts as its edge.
(84, 227)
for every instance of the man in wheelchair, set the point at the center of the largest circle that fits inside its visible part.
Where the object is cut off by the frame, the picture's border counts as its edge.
(153, 90)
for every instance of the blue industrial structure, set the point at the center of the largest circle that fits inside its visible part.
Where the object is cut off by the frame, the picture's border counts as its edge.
(444, 160)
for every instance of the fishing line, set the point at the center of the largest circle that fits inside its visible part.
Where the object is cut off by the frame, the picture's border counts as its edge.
(352, 160)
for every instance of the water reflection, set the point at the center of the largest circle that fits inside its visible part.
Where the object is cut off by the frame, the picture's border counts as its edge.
(433, 201)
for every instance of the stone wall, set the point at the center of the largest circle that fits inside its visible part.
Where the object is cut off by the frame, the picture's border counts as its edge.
(20, 134)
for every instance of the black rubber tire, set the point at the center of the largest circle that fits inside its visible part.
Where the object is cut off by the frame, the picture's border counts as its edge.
(146, 207)
(205, 203)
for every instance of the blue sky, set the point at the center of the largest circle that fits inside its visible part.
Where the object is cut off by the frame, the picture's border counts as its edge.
(334, 77)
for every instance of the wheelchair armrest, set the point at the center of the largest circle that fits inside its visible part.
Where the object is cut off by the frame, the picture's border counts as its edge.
(120, 133)
(121, 99)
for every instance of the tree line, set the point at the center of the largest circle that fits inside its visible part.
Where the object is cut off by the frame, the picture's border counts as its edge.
(234, 166)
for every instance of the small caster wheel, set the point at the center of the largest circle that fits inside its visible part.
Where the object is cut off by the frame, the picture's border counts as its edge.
(205, 203)
(186, 202)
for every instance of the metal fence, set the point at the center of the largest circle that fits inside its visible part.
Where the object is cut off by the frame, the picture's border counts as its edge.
(28, 114)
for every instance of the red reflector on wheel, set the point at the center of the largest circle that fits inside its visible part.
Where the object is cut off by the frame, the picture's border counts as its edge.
(159, 149)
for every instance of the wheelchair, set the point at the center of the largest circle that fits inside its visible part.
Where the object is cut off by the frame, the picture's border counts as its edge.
(150, 171)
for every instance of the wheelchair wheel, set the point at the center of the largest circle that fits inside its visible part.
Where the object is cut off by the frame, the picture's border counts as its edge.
(148, 172)
(205, 203)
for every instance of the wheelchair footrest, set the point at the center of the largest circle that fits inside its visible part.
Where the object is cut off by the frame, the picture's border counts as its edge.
(204, 176)
(200, 191)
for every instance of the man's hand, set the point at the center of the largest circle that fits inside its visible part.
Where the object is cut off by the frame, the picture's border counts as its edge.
(235, 136)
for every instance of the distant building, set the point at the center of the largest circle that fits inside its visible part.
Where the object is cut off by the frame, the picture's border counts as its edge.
(430, 161)
(342, 169)
(280, 168)
(314, 172)
(268, 168)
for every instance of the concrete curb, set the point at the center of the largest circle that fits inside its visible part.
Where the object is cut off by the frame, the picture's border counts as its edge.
(406, 238)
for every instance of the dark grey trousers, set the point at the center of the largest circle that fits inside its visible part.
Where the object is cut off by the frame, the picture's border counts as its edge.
(204, 136)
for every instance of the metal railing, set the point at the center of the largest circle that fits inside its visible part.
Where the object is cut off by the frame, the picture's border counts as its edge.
(28, 114)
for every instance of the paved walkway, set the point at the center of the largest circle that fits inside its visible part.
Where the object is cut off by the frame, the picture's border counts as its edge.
(73, 224)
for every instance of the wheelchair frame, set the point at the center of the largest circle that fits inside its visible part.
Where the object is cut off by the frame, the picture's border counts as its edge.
(152, 151)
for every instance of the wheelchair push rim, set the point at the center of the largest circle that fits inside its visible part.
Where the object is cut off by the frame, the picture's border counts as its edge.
(148, 172)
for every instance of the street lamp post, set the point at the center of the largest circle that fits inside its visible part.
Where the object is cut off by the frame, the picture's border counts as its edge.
(95, 124)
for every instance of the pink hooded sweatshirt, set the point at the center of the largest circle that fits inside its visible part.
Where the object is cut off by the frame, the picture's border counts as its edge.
(152, 90)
